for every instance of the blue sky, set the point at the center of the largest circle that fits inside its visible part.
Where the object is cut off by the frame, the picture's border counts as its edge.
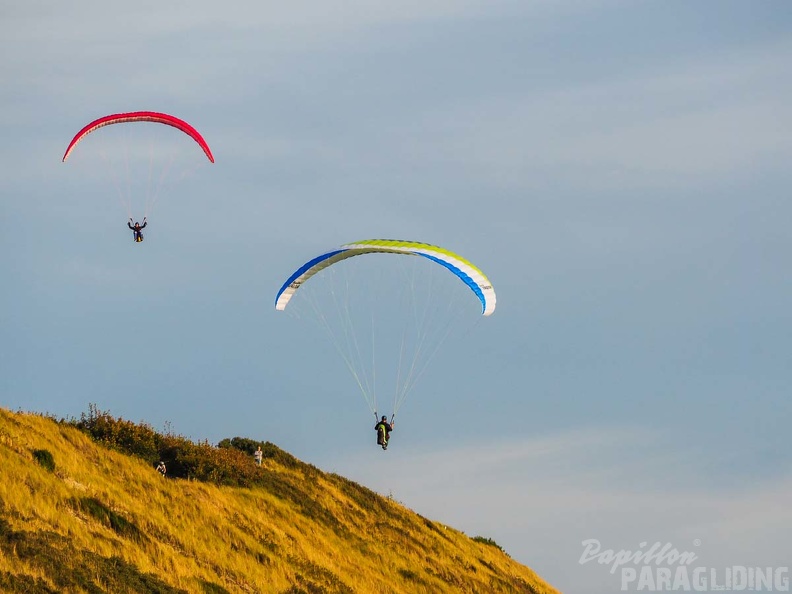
(619, 170)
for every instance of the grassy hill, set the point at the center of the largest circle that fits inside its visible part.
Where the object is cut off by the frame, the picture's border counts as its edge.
(82, 510)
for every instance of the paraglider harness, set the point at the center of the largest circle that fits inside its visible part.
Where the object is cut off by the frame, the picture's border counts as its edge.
(137, 229)
(383, 429)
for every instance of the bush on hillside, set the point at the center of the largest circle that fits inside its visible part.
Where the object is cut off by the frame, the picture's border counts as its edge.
(118, 523)
(243, 444)
(488, 542)
(45, 459)
(203, 462)
(136, 439)
(269, 450)
(230, 464)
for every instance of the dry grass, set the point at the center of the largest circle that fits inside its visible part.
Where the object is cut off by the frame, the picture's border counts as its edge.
(103, 521)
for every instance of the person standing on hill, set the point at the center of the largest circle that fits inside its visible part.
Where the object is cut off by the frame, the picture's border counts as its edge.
(161, 468)
(258, 455)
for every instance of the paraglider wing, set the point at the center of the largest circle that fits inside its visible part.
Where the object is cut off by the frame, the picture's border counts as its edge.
(467, 272)
(140, 116)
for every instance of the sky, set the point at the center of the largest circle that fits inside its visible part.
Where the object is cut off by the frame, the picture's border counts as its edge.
(618, 169)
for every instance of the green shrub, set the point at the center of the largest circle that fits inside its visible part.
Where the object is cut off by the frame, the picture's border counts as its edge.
(268, 450)
(21, 584)
(229, 464)
(68, 568)
(136, 439)
(96, 509)
(45, 459)
(488, 542)
(243, 444)
(409, 574)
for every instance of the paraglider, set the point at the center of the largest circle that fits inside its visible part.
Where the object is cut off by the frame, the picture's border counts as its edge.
(467, 272)
(383, 429)
(139, 162)
(137, 229)
(416, 309)
(140, 116)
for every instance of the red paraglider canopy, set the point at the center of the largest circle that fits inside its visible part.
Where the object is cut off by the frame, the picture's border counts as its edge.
(140, 116)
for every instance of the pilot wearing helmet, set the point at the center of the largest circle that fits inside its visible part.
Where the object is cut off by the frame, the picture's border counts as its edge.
(383, 429)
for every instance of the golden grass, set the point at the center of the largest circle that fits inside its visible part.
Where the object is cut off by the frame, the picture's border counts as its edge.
(191, 534)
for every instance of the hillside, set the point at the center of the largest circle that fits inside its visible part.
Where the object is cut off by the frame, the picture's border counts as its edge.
(78, 516)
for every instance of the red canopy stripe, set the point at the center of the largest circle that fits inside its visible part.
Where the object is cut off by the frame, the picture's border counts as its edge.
(140, 116)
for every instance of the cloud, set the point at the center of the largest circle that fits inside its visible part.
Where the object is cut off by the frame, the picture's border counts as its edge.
(686, 119)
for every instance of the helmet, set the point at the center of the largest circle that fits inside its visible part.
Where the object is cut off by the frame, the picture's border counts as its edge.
(384, 418)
